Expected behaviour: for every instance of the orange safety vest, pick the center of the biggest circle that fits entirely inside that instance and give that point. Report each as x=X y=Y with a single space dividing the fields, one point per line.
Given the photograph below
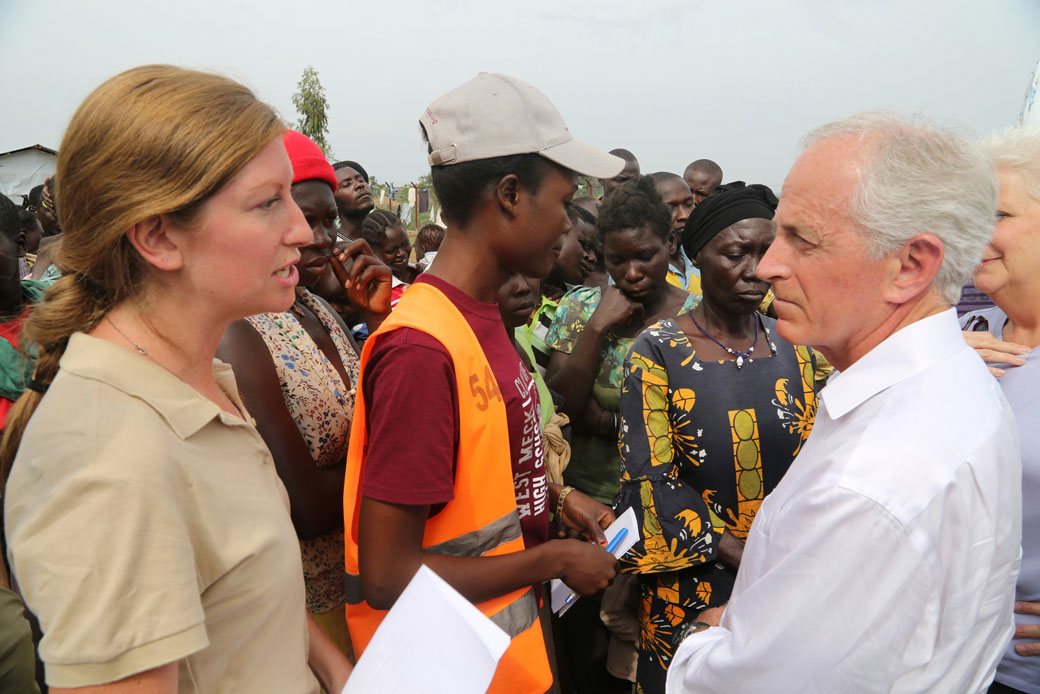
x=482 y=519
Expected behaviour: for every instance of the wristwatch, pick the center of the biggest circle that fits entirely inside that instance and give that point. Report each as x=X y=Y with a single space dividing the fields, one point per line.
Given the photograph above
x=686 y=629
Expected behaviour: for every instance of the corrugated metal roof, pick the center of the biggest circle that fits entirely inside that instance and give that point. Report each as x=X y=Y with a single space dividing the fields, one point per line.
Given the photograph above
x=48 y=150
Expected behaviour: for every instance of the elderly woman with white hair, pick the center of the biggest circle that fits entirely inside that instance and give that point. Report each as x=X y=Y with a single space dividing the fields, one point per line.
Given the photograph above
x=1007 y=336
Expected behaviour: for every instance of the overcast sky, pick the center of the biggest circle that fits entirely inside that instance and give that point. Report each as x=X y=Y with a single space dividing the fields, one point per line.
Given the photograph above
x=737 y=81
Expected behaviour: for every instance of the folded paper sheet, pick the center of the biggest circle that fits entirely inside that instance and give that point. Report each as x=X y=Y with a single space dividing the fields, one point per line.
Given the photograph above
x=434 y=641
x=559 y=591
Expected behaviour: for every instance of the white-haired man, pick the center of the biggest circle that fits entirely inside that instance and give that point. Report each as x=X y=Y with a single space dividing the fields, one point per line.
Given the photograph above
x=885 y=560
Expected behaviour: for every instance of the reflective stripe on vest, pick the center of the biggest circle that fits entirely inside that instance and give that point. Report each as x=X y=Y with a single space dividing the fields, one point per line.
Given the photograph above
x=472 y=544
x=482 y=540
x=517 y=615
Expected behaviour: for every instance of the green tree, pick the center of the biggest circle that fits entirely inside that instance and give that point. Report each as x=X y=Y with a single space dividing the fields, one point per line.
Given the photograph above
x=311 y=104
x=588 y=186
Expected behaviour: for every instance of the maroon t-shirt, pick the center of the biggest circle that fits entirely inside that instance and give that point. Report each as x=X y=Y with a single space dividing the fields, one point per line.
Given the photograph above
x=413 y=419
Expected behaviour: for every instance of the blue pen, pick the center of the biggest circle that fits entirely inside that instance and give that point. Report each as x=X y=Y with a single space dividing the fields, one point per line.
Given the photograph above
x=610 y=549
x=617 y=540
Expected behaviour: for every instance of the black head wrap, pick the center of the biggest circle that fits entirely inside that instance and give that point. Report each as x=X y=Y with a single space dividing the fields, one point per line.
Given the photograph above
x=725 y=207
x=354 y=165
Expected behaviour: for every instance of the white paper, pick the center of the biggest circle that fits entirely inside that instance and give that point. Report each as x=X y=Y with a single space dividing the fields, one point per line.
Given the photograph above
x=559 y=592
x=432 y=640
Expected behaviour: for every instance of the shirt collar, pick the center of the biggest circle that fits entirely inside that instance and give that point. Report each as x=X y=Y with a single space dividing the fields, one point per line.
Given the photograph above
x=901 y=355
x=686 y=259
x=184 y=408
x=688 y=272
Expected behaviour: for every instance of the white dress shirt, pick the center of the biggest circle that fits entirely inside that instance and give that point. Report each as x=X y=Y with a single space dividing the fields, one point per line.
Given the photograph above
x=885 y=560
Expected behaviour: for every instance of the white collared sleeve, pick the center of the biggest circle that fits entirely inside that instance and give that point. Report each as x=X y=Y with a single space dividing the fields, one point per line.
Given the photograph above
x=830 y=602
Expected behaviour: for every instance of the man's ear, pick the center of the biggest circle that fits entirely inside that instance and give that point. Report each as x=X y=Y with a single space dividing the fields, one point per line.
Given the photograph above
x=21 y=244
x=158 y=242
x=914 y=268
x=508 y=193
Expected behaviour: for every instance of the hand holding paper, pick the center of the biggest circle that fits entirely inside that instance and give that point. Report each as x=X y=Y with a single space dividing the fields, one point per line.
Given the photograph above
x=625 y=532
x=434 y=641
x=611 y=548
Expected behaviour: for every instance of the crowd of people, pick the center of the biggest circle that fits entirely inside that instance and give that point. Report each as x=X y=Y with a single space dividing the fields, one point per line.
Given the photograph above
x=241 y=406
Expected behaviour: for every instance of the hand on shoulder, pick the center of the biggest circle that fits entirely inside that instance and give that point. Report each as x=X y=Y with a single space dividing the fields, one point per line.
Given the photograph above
x=994 y=351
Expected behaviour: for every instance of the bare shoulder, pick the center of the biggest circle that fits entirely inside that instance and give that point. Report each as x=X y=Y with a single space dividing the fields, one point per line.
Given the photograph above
x=242 y=345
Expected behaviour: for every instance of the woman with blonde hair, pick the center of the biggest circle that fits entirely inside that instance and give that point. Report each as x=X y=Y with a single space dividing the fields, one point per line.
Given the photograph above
x=146 y=525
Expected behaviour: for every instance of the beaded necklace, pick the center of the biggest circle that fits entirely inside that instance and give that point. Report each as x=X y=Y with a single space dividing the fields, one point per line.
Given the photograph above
x=741 y=356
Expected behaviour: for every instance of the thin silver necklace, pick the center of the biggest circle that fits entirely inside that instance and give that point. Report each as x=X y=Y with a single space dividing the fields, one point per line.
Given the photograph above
x=126 y=337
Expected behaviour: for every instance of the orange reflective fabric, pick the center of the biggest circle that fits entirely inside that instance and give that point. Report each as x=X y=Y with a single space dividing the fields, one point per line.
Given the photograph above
x=483 y=491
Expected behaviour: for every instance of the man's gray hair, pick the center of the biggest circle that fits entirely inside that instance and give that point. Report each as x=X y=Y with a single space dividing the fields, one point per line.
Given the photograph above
x=1017 y=150
x=920 y=178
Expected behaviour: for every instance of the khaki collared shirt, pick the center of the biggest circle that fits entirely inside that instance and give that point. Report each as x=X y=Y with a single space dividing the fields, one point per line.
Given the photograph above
x=145 y=525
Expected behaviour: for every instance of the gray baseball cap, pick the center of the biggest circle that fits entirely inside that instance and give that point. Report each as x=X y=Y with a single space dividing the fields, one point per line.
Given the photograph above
x=495 y=115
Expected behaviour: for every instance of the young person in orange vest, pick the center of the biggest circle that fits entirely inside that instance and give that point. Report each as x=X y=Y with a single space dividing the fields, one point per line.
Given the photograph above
x=446 y=464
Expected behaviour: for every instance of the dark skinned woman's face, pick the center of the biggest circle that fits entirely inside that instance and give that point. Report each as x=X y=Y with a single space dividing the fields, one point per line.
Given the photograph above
x=588 y=237
x=517 y=299
x=395 y=248
x=568 y=265
x=315 y=200
x=728 y=264
x=49 y=221
x=637 y=260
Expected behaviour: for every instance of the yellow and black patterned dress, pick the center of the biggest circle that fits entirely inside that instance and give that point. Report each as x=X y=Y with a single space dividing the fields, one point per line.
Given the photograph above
x=702 y=443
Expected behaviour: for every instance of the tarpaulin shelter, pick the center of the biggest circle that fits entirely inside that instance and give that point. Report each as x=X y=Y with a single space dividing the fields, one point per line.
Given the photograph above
x=22 y=169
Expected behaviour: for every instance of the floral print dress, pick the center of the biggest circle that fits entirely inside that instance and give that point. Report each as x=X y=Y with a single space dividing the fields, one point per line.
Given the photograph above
x=702 y=443
x=322 y=406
